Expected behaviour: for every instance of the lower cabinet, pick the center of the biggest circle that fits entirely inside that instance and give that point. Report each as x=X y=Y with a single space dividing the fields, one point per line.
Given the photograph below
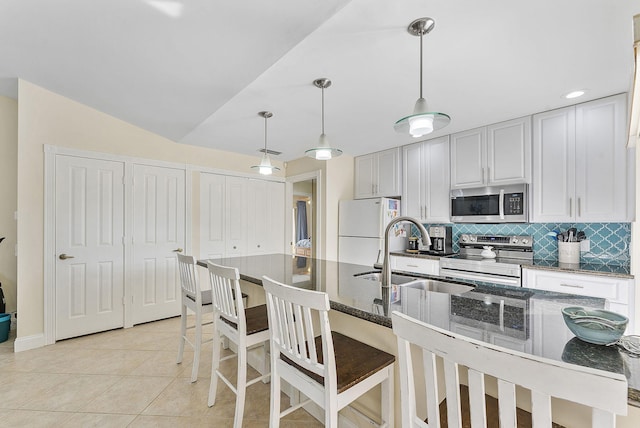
x=415 y=265
x=618 y=292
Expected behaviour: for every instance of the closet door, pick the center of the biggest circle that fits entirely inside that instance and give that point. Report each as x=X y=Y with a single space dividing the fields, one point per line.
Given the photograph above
x=212 y=216
x=89 y=230
x=158 y=234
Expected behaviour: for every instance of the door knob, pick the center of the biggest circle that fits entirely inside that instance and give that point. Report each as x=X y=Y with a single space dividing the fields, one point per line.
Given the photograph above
x=63 y=256
x=177 y=250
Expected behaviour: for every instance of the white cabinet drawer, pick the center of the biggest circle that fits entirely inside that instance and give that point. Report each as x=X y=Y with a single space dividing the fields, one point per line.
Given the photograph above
x=416 y=265
x=613 y=289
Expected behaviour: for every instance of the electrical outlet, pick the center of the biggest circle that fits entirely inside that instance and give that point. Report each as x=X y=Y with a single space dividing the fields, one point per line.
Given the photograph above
x=585 y=245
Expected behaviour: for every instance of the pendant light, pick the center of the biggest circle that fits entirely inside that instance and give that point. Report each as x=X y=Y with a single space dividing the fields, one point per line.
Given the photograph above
x=265 y=167
x=422 y=121
x=323 y=151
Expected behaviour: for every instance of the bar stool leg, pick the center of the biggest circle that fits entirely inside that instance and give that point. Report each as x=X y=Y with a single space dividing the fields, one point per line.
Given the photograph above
x=183 y=332
x=241 y=384
x=215 y=364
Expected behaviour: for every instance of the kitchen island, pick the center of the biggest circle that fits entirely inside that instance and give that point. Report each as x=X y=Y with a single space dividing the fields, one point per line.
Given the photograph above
x=531 y=321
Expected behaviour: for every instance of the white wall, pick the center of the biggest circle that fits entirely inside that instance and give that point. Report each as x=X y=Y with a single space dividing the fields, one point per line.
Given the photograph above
x=47 y=118
x=8 y=198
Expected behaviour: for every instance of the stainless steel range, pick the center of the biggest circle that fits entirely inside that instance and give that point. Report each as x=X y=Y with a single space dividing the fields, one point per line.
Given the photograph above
x=505 y=267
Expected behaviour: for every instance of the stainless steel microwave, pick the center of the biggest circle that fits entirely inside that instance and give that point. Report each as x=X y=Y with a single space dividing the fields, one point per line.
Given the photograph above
x=496 y=204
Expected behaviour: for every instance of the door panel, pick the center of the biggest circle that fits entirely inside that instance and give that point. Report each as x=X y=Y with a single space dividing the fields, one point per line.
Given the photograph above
x=212 y=216
x=89 y=228
x=158 y=233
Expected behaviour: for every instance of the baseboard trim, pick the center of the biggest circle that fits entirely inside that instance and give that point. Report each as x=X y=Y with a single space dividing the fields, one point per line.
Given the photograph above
x=29 y=342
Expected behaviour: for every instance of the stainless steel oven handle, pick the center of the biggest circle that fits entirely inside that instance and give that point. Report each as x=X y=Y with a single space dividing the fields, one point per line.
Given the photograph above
x=501 y=315
x=501 y=203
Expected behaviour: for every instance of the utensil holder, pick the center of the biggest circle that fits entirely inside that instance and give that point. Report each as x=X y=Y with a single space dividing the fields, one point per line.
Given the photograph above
x=569 y=252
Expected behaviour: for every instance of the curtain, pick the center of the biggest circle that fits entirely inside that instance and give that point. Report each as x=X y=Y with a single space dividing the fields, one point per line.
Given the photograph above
x=301 y=221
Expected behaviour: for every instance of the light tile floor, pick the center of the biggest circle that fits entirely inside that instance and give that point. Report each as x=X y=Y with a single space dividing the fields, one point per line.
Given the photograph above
x=123 y=378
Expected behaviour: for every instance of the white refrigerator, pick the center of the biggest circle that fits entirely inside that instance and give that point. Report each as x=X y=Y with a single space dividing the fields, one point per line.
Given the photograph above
x=361 y=226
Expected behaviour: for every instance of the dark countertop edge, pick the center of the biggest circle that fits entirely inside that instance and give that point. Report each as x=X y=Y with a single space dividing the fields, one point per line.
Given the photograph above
x=579 y=271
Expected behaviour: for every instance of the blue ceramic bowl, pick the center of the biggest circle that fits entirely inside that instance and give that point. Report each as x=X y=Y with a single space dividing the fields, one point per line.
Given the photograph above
x=596 y=326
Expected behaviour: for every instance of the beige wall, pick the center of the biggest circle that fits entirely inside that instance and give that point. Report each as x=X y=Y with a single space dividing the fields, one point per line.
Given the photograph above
x=48 y=118
x=8 y=198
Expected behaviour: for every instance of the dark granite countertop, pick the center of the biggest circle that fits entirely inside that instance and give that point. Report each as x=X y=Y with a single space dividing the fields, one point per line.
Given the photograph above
x=600 y=269
x=532 y=320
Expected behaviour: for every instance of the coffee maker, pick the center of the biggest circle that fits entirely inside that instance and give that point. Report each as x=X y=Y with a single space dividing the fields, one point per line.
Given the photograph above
x=441 y=240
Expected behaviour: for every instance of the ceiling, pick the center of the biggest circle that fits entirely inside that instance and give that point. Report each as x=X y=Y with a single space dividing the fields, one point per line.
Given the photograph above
x=199 y=71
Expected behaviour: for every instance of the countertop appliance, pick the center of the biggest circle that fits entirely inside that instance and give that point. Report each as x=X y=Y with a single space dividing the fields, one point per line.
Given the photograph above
x=441 y=240
x=505 y=204
x=361 y=226
x=505 y=269
x=500 y=310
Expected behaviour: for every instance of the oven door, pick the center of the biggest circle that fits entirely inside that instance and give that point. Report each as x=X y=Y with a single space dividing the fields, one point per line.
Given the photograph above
x=507 y=204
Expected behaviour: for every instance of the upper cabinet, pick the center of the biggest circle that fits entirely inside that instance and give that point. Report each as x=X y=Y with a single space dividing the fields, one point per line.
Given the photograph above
x=581 y=167
x=378 y=174
x=498 y=154
x=425 y=180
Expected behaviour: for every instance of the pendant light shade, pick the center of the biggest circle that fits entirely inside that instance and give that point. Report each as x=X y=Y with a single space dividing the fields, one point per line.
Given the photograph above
x=265 y=167
x=422 y=121
x=323 y=151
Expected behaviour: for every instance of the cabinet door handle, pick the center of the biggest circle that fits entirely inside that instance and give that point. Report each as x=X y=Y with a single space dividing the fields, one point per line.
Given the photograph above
x=570 y=207
x=579 y=208
x=488 y=174
x=415 y=266
x=571 y=285
x=482 y=169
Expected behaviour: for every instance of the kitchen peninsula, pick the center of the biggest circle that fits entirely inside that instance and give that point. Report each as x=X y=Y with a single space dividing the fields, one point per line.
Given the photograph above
x=531 y=321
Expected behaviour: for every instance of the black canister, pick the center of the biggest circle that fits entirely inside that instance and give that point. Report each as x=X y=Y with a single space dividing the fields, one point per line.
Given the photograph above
x=413 y=244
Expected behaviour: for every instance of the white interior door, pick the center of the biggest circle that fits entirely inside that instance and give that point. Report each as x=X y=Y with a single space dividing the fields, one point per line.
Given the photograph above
x=89 y=230
x=212 y=216
x=159 y=207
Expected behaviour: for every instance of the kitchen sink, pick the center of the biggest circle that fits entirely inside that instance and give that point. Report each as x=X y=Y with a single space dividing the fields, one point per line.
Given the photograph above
x=377 y=277
x=418 y=283
x=438 y=286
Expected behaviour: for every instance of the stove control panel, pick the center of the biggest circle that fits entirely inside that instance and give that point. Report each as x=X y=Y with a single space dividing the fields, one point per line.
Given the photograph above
x=497 y=241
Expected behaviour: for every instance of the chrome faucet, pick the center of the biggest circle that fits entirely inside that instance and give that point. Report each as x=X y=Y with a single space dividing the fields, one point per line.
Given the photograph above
x=386 y=269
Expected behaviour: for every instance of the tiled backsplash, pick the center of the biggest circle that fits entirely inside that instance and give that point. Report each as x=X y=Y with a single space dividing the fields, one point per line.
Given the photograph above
x=609 y=242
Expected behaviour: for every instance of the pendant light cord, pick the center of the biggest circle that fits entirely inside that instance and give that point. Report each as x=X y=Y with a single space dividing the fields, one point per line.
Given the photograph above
x=265 y=136
x=421 y=34
x=322 y=109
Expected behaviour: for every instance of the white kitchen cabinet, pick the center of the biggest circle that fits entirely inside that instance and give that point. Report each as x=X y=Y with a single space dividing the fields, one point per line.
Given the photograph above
x=581 y=167
x=425 y=180
x=619 y=292
x=493 y=155
x=415 y=265
x=240 y=216
x=378 y=174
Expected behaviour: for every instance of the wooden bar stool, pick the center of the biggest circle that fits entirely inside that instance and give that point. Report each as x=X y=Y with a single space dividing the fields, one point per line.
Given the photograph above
x=199 y=302
x=604 y=392
x=332 y=369
x=244 y=327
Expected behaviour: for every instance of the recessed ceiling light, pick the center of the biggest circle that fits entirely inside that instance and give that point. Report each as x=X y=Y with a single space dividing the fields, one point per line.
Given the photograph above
x=574 y=94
